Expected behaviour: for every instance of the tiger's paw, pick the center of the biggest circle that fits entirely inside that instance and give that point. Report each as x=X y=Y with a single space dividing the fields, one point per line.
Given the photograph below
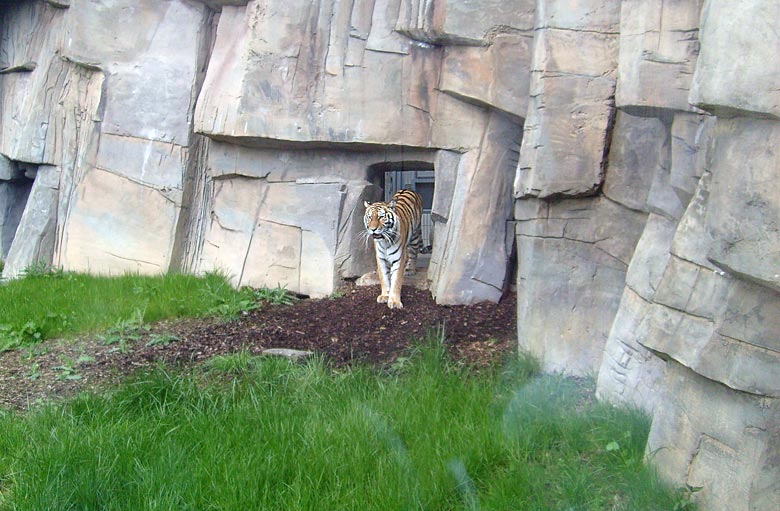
x=382 y=298
x=395 y=304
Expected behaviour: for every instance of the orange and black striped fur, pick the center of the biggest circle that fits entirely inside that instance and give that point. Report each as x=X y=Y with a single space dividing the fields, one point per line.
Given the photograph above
x=395 y=227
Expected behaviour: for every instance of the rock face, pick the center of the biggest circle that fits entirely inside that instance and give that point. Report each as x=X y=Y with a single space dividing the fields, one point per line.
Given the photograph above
x=622 y=155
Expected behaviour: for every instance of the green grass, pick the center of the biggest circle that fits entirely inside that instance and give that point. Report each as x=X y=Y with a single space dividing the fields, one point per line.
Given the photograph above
x=50 y=303
x=247 y=433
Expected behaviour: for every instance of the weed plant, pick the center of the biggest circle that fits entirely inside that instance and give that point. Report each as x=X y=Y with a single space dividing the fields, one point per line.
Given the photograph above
x=248 y=433
x=49 y=303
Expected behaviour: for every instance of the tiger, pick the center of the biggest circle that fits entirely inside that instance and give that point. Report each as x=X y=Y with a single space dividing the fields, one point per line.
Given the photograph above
x=395 y=228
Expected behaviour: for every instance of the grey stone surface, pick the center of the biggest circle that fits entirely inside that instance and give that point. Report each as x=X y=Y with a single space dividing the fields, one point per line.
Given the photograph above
x=474 y=249
x=639 y=147
x=9 y=170
x=454 y=22
x=570 y=111
x=297 y=235
x=663 y=199
x=630 y=374
x=690 y=136
x=692 y=241
x=572 y=261
x=281 y=96
x=172 y=136
x=495 y=75
x=738 y=71
x=744 y=222
x=34 y=241
x=585 y=15
x=150 y=53
x=651 y=256
x=107 y=232
x=60 y=114
x=658 y=53
x=31 y=33
x=725 y=442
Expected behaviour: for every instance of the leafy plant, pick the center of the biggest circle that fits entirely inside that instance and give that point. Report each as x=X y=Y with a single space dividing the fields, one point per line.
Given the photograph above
x=246 y=300
x=34 y=372
x=12 y=338
x=162 y=339
x=42 y=269
x=685 y=503
x=131 y=329
x=67 y=372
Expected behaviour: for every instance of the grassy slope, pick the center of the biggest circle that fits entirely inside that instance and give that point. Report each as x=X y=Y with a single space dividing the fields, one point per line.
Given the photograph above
x=251 y=434
x=272 y=435
x=50 y=304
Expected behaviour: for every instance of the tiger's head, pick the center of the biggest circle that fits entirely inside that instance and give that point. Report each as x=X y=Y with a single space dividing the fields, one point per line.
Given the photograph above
x=380 y=220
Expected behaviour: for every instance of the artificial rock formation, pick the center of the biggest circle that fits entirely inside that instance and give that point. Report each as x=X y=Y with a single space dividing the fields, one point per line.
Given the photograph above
x=622 y=155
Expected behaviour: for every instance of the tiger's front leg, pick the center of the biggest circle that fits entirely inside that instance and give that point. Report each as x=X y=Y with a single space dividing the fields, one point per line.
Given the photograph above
x=383 y=272
x=396 y=282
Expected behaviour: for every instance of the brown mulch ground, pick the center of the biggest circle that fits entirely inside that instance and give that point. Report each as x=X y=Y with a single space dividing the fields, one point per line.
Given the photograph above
x=351 y=328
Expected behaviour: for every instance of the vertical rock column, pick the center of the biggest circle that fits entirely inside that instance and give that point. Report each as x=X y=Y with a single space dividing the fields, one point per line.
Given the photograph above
x=50 y=116
x=125 y=210
x=573 y=243
x=655 y=162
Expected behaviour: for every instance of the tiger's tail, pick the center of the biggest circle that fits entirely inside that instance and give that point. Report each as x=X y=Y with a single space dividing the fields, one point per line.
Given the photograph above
x=413 y=248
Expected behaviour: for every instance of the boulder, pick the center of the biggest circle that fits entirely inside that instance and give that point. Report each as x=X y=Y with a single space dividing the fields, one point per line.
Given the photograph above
x=692 y=241
x=269 y=88
x=13 y=199
x=601 y=16
x=690 y=136
x=9 y=170
x=31 y=35
x=473 y=254
x=495 y=75
x=630 y=374
x=297 y=235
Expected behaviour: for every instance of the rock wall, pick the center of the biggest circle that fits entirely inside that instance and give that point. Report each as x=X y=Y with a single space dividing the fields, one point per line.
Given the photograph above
x=244 y=136
x=622 y=154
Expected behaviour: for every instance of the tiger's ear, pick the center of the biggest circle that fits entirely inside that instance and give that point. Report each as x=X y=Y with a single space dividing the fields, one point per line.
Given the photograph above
x=366 y=204
x=392 y=203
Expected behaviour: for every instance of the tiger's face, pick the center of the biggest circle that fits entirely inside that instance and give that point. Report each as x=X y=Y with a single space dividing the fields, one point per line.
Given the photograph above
x=379 y=220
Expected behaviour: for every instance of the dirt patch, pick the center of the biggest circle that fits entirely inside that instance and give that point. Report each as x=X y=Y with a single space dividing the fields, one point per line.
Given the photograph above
x=348 y=329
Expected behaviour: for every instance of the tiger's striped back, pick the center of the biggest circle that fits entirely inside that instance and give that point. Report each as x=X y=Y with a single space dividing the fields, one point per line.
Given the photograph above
x=395 y=227
x=408 y=207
